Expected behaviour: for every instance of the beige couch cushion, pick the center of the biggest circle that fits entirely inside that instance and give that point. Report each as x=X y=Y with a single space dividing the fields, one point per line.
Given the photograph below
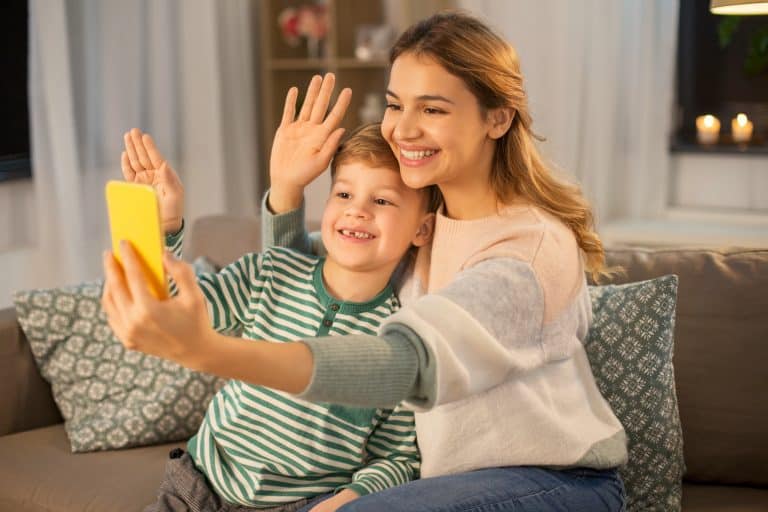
x=719 y=498
x=38 y=472
x=721 y=346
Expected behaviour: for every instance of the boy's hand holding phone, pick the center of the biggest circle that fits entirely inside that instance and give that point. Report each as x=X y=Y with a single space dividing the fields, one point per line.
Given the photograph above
x=304 y=145
x=142 y=163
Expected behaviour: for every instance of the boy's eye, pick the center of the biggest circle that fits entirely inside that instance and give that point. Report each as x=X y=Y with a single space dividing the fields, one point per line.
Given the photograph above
x=381 y=202
x=342 y=195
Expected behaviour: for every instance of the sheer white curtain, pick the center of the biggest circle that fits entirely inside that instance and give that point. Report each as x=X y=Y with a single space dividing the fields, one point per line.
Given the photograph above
x=600 y=77
x=179 y=69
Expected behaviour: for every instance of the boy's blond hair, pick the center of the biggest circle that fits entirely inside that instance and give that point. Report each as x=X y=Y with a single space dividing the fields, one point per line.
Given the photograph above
x=366 y=144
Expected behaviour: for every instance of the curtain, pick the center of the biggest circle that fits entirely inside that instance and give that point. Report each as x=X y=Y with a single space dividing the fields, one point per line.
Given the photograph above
x=181 y=70
x=600 y=80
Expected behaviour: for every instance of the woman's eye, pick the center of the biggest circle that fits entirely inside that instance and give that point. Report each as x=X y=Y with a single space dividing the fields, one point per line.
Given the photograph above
x=392 y=106
x=342 y=195
x=430 y=110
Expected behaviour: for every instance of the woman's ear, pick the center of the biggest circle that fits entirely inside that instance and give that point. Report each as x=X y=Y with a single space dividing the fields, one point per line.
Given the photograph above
x=426 y=228
x=500 y=119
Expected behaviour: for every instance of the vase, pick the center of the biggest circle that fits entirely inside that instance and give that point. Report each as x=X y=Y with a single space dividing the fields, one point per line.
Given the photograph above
x=314 y=48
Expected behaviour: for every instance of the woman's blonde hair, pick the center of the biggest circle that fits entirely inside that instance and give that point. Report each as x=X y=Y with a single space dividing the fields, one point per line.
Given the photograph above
x=468 y=49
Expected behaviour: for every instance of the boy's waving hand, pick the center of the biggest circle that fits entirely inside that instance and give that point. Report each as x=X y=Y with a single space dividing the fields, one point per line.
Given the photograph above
x=141 y=162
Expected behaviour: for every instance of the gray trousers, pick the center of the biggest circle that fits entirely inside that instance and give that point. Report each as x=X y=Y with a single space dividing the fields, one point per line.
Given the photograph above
x=184 y=489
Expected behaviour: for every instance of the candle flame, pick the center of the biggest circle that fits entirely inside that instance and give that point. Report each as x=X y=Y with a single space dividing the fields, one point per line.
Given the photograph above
x=741 y=119
x=709 y=120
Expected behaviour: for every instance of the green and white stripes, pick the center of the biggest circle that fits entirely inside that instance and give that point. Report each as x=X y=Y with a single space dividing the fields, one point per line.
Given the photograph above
x=262 y=448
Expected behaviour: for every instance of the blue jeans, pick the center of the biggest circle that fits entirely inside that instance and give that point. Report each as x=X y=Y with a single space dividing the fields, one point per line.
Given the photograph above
x=526 y=489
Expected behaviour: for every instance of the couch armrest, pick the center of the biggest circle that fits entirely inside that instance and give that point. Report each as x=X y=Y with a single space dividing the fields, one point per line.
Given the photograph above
x=26 y=401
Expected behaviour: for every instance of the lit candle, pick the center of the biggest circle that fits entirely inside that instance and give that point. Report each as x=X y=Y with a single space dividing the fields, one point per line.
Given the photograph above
x=741 y=127
x=707 y=129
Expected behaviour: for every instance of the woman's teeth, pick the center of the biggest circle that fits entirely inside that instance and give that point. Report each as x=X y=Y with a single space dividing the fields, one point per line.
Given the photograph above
x=356 y=234
x=417 y=155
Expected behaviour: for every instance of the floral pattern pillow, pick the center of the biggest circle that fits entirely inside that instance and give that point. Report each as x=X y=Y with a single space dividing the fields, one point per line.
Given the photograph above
x=110 y=397
x=630 y=346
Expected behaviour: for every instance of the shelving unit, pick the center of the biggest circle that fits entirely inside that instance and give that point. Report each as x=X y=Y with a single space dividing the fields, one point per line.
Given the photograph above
x=283 y=66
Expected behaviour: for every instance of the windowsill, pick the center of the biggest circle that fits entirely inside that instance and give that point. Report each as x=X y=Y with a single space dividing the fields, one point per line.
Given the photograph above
x=683 y=228
x=725 y=147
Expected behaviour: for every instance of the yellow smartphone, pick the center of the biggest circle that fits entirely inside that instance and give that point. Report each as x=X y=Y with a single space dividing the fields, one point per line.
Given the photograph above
x=134 y=215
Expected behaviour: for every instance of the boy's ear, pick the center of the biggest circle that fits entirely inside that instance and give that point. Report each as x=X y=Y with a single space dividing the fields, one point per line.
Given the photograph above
x=500 y=119
x=426 y=228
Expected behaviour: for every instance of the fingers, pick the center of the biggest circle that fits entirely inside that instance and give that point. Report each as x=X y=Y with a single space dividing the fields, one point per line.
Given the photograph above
x=339 y=109
x=114 y=284
x=128 y=173
x=331 y=143
x=141 y=151
x=182 y=274
x=310 y=97
x=320 y=106
x=289 y=109
x=136 y=275
x=133 y=157
x=155 y=158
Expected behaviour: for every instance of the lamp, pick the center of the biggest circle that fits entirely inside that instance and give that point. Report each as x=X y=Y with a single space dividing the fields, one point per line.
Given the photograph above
x=738 y=7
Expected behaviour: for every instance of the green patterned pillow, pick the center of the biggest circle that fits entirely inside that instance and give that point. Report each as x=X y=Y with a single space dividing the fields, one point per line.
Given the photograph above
x=630 y=346
x=109 y=397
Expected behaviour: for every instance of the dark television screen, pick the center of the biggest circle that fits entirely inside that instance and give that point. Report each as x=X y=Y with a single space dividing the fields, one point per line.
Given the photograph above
x=14 y=110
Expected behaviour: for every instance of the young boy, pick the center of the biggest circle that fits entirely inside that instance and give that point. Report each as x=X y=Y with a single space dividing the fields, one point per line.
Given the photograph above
x=264 y=449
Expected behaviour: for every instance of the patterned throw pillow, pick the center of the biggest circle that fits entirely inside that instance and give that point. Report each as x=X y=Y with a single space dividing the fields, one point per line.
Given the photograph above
x=109 y=397
x=630 y=347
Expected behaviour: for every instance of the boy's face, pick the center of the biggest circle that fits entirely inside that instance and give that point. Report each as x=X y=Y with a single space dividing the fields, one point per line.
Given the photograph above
x=371 y=218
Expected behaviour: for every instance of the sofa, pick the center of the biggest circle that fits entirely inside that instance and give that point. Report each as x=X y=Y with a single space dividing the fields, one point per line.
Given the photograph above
x=721 y=346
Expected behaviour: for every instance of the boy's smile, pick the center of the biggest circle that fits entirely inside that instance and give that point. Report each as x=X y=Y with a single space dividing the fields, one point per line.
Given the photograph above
x=370 y=220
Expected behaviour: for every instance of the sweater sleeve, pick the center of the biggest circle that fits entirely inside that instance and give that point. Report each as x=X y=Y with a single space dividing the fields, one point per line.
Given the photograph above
x=446 y=346
x=228 y=293
x=173 y=244
x=288 y=230
x=393 y=457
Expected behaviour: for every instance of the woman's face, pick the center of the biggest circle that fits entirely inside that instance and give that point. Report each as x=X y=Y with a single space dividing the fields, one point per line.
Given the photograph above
x=435 y=126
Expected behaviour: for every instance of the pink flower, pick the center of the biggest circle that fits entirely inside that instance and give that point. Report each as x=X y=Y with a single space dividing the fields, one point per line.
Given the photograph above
x=310 y=21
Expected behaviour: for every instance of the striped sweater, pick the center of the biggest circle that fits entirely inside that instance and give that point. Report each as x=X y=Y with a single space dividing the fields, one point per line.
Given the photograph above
x=263 y=448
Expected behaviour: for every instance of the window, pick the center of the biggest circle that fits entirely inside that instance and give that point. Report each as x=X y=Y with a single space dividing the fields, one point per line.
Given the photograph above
x=722 y=70
x=14 y=110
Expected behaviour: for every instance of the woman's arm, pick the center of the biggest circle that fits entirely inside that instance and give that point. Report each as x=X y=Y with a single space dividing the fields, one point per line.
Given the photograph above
x=303 y=146
x=178 y=328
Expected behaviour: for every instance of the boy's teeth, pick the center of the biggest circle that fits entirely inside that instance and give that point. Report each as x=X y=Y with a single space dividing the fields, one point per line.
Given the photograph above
x=356 y=234
x=417 y=155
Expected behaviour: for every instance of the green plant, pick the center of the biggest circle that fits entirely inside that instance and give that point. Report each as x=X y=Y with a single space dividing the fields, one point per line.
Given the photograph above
x=756 y=61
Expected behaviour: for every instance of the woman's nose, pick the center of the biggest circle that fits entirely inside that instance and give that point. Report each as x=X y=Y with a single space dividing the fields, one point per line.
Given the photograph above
x=407 y=126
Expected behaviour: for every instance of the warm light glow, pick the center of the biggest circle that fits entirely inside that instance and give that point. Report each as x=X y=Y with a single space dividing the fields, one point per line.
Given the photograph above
x=707 y=129
x=739 y=7
x=741 y=129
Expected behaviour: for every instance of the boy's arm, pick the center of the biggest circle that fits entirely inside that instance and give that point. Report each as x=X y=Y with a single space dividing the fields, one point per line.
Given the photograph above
x=393 y=454
x=288 y=230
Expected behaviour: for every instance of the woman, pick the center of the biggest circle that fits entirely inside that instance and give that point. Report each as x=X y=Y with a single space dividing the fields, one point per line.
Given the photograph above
x=503 y=381
x=488 y=346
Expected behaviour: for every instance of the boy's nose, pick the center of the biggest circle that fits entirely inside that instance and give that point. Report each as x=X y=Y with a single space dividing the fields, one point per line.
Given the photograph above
x=357 y=211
